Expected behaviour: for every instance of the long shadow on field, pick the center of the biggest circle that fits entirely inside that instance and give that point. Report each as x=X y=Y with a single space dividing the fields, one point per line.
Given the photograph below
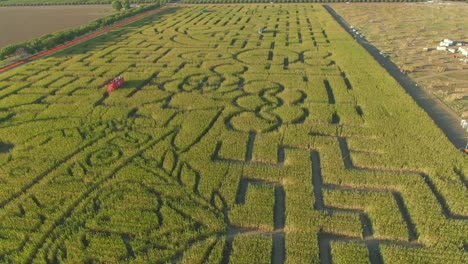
x=440 y=199
x=5 y=147
x=114 y=36
x=367 y=237
x=248 y=159
x=277 y=235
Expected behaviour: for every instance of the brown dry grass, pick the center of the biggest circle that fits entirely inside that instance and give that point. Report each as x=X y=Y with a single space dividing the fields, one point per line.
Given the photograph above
x=402 y=31
x=19 y=24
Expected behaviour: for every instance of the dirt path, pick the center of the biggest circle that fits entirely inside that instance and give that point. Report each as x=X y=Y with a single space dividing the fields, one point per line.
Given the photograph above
x=81 y=39
x=438 y=74
x=444 y=117
x=279 y=219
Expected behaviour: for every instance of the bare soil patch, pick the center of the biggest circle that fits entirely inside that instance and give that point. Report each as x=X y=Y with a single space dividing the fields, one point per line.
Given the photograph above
x=19 y=24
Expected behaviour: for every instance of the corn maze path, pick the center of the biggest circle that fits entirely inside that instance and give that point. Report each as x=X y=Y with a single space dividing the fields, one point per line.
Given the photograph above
x=224 y=146
x=78 y=40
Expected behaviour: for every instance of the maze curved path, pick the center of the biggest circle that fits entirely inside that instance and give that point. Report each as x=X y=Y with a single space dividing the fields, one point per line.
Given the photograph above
x=296 y=153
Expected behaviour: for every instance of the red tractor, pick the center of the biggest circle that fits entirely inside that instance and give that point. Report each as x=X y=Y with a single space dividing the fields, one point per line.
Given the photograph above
x=115 y=83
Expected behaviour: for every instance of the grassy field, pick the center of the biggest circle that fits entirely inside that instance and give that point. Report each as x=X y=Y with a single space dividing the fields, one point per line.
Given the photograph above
x=16 y=26
x=403 y=31
x=224 y=145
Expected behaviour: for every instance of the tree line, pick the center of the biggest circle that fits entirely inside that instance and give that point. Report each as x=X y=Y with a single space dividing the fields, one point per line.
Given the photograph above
x=49 y=41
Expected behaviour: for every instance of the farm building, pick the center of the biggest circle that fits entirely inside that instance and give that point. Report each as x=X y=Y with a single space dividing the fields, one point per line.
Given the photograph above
x=463 y=51
x=443 y=44
x=448 y=45
x=452 y=50
x=448 y=42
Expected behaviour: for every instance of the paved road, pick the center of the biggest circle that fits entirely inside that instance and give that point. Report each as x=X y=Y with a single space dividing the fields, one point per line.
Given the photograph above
x=447 y=120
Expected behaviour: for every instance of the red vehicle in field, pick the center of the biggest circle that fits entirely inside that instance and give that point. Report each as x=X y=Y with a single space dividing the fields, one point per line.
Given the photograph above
x=115 y=83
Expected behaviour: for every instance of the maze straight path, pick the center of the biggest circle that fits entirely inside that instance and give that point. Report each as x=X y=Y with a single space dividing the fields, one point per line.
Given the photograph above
x=224 y=146
x=80 y=39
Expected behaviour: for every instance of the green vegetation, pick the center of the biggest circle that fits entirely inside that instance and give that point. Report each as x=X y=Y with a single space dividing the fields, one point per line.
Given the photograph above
x=224 y=145
x=67 y=2
x=117 y=5
x=52 y=40
x=288 y=1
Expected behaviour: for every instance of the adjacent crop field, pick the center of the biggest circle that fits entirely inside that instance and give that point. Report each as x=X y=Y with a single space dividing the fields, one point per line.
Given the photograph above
x=224 y=146
x=24 y=23
x=403 y=31
x=62 y=2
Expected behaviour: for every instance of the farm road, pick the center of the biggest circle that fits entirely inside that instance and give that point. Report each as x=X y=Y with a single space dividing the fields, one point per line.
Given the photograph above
x=443 y=116
x=83 y=38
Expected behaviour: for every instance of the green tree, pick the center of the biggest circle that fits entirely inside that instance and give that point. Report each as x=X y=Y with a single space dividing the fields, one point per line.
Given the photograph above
x=116 y=5
x=125 y=4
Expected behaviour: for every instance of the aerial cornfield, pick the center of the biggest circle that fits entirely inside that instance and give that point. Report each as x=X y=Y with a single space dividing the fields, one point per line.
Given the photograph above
x=243 y=134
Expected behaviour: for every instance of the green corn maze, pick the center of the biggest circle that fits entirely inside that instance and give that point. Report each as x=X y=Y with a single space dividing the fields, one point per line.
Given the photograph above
x=224 y=146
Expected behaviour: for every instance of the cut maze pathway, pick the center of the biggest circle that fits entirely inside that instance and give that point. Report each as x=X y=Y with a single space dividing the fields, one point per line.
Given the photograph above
x=325 y=239
x=278 y=235
x=60 y=47
x=217 y=151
